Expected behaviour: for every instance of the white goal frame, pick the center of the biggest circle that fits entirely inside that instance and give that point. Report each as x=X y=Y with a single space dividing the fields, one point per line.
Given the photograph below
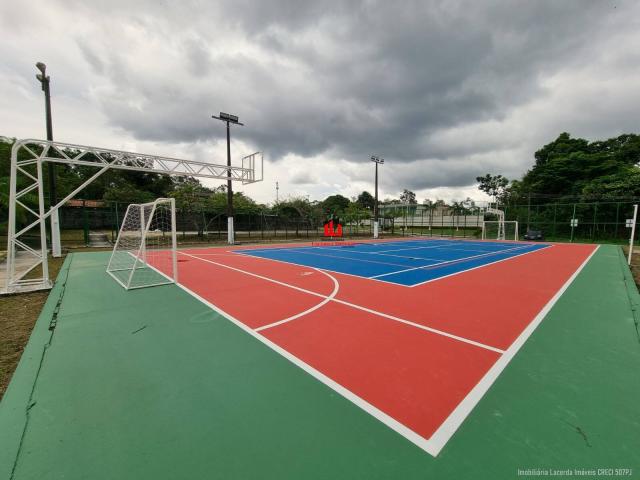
x=501 y=229
x=26 y=177
x=140 y=254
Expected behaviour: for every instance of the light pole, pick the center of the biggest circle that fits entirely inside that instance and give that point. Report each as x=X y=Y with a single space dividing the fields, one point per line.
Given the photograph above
x=45 y=80
x=229 y=119
x=378 y=161
x=277 y=193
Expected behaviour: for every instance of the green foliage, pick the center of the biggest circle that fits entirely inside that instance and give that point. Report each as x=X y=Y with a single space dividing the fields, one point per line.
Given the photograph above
x=335 y=205
x=624 y=183
x=575 y=167
x=191 y=196
x=354 y=213
x=408 y=197
x=366 y=200
x=493 y=185
x=297 y=208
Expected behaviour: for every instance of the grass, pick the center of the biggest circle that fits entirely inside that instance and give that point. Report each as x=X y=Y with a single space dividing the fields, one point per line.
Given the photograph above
x=635 y=263
x=18 y=315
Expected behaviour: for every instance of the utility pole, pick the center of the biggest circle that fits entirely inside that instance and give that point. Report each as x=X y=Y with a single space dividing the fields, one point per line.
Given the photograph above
x=229 y=119
x=45 y=80
x=378 y=161
x=277 y=193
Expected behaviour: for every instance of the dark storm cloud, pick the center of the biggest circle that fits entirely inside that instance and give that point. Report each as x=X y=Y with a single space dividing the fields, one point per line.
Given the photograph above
x=344 y=79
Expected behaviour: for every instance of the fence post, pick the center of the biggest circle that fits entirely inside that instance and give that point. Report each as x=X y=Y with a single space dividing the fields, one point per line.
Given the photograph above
x=573 y=217
x=633 y=232
x=85 y=223
x=464 y=231
x=114 y=228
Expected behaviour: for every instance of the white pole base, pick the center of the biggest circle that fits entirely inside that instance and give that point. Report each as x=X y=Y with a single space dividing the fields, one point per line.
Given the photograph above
x=375 y=229
x=56 y=249
x=230 y=232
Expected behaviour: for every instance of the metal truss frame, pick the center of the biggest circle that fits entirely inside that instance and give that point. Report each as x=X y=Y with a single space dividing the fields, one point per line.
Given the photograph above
x=27 y=157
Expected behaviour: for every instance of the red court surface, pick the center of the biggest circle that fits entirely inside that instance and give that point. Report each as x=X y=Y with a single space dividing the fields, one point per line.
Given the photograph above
x=417 y=358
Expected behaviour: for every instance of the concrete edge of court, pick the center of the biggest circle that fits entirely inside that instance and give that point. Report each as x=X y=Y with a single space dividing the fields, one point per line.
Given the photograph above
x=16 y=402
x=632 y=290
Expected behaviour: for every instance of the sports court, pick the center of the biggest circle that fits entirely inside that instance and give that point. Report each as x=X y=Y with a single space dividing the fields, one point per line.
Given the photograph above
x=402 y=358
x=369 y=320
x=407 y=263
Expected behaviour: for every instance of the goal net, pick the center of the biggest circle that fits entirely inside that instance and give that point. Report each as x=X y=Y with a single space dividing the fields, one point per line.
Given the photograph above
x=145 y=251
x=499 y=230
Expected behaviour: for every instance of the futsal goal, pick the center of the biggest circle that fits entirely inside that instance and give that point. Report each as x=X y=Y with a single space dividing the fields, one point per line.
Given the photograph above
x=500 y=230
x=145 y=252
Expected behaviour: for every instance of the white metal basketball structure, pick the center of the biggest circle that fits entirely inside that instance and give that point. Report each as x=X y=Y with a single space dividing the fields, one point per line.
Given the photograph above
x=500 y=224
x=26 y=178
x=146 y=251
x=500 y=230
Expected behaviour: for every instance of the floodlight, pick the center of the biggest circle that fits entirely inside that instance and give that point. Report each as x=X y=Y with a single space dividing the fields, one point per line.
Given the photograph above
x=42 y=67
x=227 y=117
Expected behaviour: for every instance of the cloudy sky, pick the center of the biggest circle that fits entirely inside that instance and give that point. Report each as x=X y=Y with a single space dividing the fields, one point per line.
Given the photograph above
x=444 y=91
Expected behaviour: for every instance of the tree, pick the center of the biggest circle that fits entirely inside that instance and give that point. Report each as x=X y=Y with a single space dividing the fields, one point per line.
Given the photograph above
x=355 y=213
x=408 y=197
x=335 y=204
x=623 y=184
x=366 y=200
x=191 y=200
x=574 y=166
x=493 y=185
x=298 y=208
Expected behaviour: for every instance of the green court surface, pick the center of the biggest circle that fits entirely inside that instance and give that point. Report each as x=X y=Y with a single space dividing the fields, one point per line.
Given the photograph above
x=152 y=384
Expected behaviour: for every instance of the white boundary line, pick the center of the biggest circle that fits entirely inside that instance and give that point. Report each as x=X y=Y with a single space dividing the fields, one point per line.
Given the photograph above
x=459 y=260
x=479 y=266
x=336 y=287
x=353 y=305
x=242 y=252
x=443 y=434
x=464 y=408
x=239 y=252
x=389 y=421
x=297 y=250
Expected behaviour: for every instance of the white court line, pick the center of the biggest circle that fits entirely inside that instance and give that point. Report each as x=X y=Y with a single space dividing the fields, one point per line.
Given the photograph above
x=303 y=250
x=410 y=248
x=478 y=266
x=230 y=254
x=443 y=434
x=405 y=256
x=298 y=250
x=248 y=255
x=353 y=305
x=461 y=250
x=464 y=408
x=336 y=287
x=376 y=413
x=446 y=244
x=460 y=260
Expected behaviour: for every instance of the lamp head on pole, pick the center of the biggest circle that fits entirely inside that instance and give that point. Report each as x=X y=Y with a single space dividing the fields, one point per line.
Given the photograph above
x=42 y=77
x=227 y=117
x=377 y=159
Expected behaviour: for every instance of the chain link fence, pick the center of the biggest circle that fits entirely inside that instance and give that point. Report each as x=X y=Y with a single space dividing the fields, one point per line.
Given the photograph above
x=592 y=222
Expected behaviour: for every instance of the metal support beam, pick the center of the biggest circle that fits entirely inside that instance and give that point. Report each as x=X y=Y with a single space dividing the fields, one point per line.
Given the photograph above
x=27 y=158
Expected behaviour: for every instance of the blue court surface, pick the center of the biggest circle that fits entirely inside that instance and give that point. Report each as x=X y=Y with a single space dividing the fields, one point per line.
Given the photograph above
x=405 y=262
